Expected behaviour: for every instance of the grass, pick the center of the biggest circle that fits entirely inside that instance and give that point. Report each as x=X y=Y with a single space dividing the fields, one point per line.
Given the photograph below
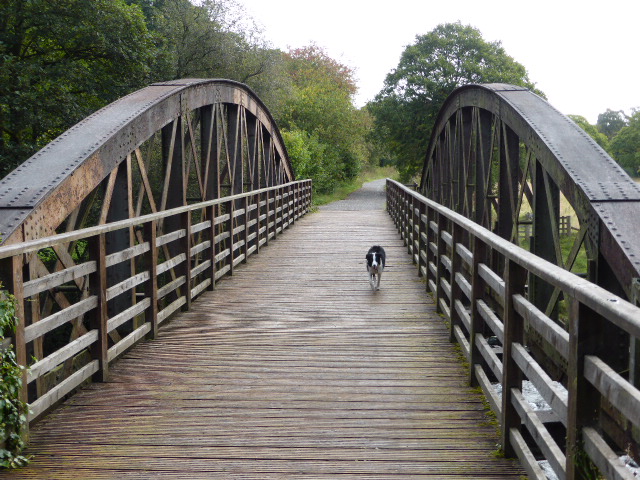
x=345 y=188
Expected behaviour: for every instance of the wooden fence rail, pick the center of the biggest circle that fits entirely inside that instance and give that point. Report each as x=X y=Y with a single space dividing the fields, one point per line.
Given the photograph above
x=172 y=257
x=479 y=281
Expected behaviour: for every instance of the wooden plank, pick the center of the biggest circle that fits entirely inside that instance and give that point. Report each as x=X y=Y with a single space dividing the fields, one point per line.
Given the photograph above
x=622 y=395
x=543 y=383
x=170 y=237
x=127 y=254
x=607 y=461
x=59 y=391
x=45 y=365
x=540 y=434
x=59 y=318
x=128 y=314
x=126 y=285
x=527 y=458
x=492 y=320
x=550 y=330
x=493 y=281
x=489 y=355
x=47 y=282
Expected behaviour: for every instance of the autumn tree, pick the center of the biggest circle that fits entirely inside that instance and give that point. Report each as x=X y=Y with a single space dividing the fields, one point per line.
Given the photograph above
x=448 y=57
x=324 y=129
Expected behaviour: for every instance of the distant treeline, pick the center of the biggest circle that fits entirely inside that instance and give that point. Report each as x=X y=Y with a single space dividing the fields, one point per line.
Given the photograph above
x=61 y=60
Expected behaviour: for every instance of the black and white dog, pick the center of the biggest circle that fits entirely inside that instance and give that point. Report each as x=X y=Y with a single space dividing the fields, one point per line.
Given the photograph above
x=375 y=264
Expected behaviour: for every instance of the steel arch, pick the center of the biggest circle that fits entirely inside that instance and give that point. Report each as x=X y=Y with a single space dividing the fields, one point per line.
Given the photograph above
x=496 y=145
x=217 y=138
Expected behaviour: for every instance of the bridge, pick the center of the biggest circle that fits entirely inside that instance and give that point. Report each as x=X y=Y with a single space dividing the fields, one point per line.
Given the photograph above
x=167 y=254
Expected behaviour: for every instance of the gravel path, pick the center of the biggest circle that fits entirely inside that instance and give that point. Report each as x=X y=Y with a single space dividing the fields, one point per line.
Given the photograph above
x=371 y=196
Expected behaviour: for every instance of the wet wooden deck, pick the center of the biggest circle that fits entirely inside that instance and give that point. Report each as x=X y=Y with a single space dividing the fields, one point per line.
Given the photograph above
x=291 y=369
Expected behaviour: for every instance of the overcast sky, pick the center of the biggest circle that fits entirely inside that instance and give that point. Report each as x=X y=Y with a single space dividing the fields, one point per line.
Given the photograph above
x=585 y=56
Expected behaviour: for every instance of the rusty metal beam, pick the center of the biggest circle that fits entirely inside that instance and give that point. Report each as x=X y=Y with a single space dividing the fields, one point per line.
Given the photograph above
x=42 y=192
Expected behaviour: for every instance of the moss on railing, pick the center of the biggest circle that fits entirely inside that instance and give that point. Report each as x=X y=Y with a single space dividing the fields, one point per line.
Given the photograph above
x=13 y=411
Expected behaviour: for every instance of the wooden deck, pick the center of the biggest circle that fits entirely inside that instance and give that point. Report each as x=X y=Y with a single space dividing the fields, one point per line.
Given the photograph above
x=292 y=368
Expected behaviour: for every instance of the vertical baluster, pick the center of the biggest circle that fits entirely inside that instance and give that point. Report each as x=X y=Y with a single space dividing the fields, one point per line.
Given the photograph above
x=441 y=269
x=229 y=228
x=432 y=237
x=246 y=204
x=456 y=291
x=478 y=287
x=423 y=226
x=587 y=330
x=515 y=280
x=211 y=214
x=185 y=222
x=267 y=210
x=258 y=222
x=151 y=286
x=99 y=316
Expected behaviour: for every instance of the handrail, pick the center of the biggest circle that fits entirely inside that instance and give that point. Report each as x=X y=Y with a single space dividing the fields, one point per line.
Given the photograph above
x=484 y=297
x=170 y=262
x=35 y=245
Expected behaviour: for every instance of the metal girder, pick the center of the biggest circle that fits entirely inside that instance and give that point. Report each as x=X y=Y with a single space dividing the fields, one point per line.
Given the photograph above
x=558 y=157
x=43 y=192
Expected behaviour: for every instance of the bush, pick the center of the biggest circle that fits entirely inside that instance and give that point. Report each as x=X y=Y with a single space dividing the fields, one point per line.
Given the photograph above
x=13 y=412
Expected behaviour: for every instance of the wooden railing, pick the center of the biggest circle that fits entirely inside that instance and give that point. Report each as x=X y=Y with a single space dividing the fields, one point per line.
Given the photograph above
x=172 y=257
x=479 y=282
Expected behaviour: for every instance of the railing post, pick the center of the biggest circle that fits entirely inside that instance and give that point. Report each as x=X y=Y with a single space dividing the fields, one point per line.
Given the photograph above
x=258 y=222
x=477 y=293
x=406 y=220
x=229 y=227
x=423 y=245
x=587 y=330
x=185 y=222
x=99 y=317
x=267 y=232
x=275 y=191
x=245 y=203
x=440 y=268
x=432 y=238
x=456 y=291
x=515 y=279
x=151 y=286
x=294 y=191
x=211 y=214
x=411 y=226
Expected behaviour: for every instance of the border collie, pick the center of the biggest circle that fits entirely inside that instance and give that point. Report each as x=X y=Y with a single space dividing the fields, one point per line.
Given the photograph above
x=375 y=264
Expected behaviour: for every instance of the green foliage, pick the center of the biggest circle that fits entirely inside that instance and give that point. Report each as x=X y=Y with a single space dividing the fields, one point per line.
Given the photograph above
x=326 y=133
x=611 y=122
x=308 y=159
x=448 y=57
x=625 y=145
x=13 y=412
x=60 y=61
x=592 y=130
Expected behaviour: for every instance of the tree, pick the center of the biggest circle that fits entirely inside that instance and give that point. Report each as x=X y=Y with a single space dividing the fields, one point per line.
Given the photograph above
x=61 y=60
x=320 y=113
x=593 y=131
x=610 y=122
x=625 y=146
x=448 y=57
